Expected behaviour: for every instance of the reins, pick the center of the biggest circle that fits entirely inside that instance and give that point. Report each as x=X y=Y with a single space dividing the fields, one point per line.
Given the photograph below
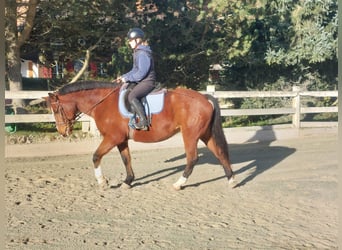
x=80 y=114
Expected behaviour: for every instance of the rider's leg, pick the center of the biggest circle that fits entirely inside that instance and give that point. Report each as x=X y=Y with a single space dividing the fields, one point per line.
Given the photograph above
x=139 y=91
x=138 y=107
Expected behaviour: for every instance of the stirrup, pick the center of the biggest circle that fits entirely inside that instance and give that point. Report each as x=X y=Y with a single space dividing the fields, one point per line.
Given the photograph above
x=134 y=125
x=140 y=127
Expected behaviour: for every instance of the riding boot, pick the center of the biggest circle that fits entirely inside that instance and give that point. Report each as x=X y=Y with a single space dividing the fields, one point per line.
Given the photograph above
x=139 y=108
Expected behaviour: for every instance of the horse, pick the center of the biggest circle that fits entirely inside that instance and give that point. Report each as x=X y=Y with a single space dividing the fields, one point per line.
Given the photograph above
x=195 y=115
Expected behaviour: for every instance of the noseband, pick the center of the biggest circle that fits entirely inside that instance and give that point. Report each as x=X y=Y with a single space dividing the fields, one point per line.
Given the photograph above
x=69 y=123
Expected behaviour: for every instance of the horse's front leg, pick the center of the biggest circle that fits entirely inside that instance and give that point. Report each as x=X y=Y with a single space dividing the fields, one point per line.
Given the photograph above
x=105 y=146
x=126 y=159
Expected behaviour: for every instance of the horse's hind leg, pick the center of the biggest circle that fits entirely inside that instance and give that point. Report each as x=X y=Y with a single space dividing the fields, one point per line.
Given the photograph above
x=222 y=154
x=191 y=159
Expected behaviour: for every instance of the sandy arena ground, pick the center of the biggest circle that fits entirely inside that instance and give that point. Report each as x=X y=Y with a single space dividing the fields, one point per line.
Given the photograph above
x=287 y=199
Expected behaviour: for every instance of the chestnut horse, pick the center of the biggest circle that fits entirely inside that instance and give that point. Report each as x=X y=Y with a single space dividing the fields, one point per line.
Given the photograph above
x=197 y=116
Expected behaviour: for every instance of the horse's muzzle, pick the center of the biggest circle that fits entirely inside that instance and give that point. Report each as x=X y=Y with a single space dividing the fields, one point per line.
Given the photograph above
x=64 y=131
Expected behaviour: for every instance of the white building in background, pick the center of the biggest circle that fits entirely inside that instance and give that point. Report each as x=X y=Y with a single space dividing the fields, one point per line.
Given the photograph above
x=30 y=69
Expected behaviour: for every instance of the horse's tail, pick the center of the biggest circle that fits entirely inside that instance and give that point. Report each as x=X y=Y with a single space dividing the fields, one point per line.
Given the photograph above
x=216 y=125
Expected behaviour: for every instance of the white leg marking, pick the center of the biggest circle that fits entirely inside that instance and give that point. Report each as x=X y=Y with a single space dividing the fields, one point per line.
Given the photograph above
x=99 y=176
x=98 y=172
x=181 y=181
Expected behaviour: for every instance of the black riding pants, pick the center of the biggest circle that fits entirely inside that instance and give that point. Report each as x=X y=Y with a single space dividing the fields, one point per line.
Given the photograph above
x=141 y=90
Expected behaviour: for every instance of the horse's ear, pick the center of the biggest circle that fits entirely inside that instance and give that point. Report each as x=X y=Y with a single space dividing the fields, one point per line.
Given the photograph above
x=52 y=96
x=47 y=100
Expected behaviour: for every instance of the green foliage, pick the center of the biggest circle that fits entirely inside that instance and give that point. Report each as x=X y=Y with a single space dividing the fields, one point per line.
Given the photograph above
x=313 y=30
x=121 y=61
x=64 y=30
x=259 y=42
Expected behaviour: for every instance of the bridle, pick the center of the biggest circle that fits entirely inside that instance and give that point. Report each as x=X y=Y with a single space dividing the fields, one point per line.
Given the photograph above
x=69 y=123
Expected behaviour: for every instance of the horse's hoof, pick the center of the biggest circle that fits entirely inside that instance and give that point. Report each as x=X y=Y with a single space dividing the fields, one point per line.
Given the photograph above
x=176 y=187
x=232 y=183
x=104 y=184
x=125 y=186
x=103 y=187
x=181 y=181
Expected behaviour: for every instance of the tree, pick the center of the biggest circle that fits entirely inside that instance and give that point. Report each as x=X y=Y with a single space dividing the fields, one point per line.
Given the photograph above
x=180 y=39
x=257 y=41
x=308 y=41
x=14 y=11
x=289 y=42
x=75 y=27
x=313 y=25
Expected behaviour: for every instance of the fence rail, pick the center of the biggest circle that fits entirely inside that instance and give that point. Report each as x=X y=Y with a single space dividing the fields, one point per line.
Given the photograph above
x=88 y=124
x=296 y=110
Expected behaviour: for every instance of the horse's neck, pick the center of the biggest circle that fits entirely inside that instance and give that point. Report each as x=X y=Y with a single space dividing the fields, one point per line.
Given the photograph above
x=86 y=101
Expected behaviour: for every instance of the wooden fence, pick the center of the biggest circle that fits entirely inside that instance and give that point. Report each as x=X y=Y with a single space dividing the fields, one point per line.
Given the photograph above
x=296 y=109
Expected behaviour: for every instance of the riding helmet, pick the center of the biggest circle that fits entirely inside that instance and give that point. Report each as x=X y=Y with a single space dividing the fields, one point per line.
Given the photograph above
x=135 y=33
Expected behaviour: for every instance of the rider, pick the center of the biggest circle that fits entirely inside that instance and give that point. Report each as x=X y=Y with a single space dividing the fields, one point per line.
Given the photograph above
x=142 y=74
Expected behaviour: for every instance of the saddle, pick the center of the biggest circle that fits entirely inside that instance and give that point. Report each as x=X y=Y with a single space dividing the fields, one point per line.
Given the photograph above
x=153 y=102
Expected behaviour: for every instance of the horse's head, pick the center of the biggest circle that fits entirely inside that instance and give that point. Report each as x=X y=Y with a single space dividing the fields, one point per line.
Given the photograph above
x=63 y=112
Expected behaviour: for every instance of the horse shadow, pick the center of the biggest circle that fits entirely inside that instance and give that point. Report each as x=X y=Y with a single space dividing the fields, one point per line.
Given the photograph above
x=257 y=152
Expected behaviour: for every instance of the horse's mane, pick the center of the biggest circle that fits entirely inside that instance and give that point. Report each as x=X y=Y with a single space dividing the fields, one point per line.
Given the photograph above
x=86 y=85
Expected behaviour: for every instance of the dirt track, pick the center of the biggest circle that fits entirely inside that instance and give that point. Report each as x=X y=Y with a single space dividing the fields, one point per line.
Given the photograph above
x=287 y=199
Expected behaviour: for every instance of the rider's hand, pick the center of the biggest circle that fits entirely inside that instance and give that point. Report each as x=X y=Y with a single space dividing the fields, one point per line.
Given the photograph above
x=119 y=80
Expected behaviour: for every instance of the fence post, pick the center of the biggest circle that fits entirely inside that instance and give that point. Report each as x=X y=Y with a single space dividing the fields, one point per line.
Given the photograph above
x=211 y=89
x=90 y=127
x=93 y=128
x=85 y=127
x=296 y=106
